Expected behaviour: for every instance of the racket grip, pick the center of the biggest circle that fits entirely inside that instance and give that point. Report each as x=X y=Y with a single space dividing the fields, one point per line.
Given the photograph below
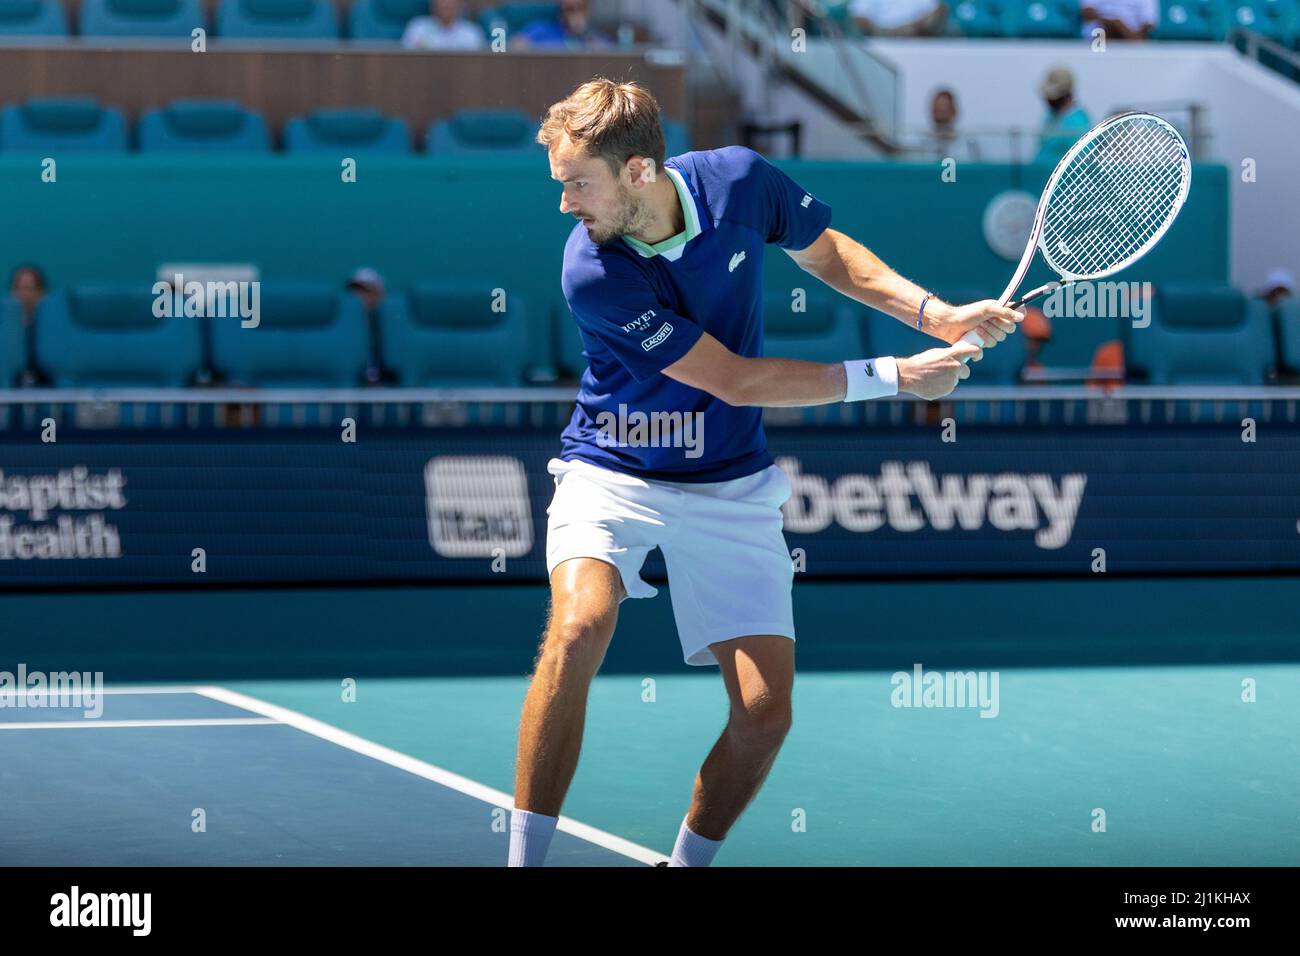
x=973 y=338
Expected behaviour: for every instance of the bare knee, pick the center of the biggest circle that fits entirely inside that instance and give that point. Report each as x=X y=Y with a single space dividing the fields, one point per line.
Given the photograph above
x=574 y=644
x=762 y=722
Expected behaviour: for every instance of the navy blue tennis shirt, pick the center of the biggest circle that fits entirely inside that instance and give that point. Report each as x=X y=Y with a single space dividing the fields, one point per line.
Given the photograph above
x=640 y=308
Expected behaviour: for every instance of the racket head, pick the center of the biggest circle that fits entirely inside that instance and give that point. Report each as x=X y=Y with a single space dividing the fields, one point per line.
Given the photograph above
x=1113 y=196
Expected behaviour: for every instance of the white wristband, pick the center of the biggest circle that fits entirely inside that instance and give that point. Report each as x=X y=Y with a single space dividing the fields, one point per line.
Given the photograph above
x=870 y=378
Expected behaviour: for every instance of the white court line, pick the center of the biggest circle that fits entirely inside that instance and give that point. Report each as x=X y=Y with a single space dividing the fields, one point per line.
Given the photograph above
x=122 y=689
x=420 y=768
x=92 y=723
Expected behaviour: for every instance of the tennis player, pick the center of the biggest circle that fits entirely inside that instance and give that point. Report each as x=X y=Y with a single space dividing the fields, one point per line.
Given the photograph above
x=663 y=273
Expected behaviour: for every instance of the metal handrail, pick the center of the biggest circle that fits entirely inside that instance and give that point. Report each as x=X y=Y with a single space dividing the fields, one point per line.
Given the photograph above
x=751 y=24
x=1256 y=41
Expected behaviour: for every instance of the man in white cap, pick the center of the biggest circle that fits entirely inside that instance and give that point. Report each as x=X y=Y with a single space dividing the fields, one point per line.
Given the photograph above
x=1279 y=285
x=1066 y=120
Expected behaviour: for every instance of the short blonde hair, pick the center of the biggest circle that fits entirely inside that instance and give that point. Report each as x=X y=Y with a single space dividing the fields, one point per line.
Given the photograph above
x=614 y=121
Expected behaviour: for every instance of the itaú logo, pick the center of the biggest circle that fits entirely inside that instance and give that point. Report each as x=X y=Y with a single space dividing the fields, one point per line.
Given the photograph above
x=907 y=496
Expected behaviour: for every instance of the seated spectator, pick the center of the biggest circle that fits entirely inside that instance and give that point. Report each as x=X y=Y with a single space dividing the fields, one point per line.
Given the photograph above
x=1066 y=120
x=571 y=29
x=27 y=286
x=1279 y=286
x=899 y=18
x=445 y=29
x=1120 y=19
x=368 y=286
x=1037 y=330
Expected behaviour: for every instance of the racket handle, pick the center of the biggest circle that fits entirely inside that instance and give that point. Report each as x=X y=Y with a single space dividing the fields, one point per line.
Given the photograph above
x=973 y=338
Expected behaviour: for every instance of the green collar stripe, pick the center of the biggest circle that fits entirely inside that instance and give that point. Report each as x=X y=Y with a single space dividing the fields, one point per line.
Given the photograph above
x=690 y=214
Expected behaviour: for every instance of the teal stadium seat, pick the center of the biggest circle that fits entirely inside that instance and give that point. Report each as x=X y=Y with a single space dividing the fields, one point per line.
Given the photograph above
x=1041 y=18
x=1275 y=19
x=383 y=19
x=140 y=18
x=974 y=18
x=515 y=16
x=999 y=366
x=1288 y=327
x=572 y=360
x=445 y=334
x=1202 y=335
x=33 y=18
x=351 y=130
x=277 y=20
x=1198 y=20
x=108 y=336
x=309 y=335
x=12 y=344
x=1075 y=339
x=828 y=330
x=217 y=126
x=483 y=131
x=63 y=124
x=676 y=139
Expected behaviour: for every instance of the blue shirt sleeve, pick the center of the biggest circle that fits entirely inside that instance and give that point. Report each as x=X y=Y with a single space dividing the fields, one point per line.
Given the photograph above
x=793 y=217
x=614 y=302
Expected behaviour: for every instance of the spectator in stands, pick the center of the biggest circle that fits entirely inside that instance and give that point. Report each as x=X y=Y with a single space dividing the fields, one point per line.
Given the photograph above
x=368 y=286
x=27 y=286
x=1066 y=120
x=899 y=18
x=1279 y=285
x=572 y=28
x=1037 y=330
x=1120 y=19
x=945 y=139
x=444 y=29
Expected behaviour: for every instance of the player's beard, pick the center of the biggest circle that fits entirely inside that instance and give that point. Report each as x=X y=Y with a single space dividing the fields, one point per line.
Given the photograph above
x=631 y=217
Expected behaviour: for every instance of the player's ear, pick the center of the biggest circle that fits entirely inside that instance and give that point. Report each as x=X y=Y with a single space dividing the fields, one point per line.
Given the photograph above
x=646 y=174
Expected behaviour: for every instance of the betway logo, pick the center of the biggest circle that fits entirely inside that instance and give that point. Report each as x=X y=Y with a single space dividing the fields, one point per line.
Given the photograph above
x=907 y=496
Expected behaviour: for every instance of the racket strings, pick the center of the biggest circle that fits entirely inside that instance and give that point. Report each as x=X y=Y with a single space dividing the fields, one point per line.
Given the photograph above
x=1112 y=202
x=1115 y=197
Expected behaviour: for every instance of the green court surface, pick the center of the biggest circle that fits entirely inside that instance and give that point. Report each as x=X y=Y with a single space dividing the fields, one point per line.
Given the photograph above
x=1185 y=771
x=1117 y=699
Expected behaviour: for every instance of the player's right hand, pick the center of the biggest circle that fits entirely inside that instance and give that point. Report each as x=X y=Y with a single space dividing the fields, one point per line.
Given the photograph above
x=935 y=373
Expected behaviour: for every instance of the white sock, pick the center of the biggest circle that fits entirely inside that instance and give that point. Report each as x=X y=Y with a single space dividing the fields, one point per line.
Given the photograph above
x=530 y=837
x=692 y=849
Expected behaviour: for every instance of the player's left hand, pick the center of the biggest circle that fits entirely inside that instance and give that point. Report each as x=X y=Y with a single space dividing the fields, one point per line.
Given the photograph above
x=993 y=321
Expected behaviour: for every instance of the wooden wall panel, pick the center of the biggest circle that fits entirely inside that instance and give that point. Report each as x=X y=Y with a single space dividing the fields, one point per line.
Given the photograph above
x=281 y=83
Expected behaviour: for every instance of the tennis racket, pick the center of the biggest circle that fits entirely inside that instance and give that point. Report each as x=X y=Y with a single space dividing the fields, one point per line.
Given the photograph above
x=1108 y=202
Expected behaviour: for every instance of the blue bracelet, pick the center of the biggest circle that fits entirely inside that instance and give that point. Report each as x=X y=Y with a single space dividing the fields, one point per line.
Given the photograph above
x=921 y=311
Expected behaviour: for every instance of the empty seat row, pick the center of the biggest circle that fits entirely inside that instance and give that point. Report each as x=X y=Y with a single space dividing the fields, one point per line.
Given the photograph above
x=306 y=334
x=447 y=334
x=82 y=123
x=242 y=19
x=1205 y=20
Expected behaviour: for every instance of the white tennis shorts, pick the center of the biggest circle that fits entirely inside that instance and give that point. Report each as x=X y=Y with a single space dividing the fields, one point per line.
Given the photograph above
x=729 y=571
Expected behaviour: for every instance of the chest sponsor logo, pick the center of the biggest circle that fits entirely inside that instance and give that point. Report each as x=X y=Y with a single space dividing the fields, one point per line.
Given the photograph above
x=736 y=260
